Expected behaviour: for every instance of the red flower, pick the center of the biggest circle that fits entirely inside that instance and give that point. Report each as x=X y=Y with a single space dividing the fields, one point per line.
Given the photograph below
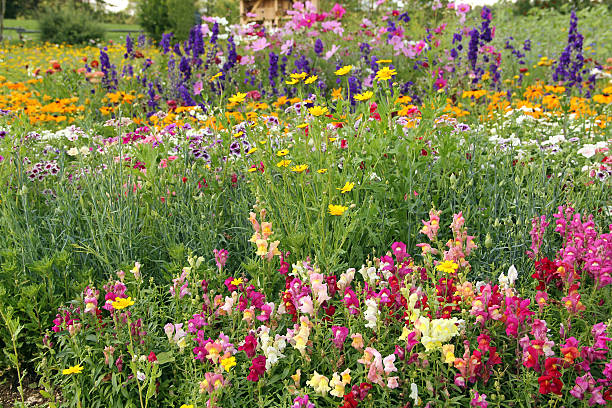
x=257 y=369
x=349 y=401
x=550 y=384
x=551 y=365
x=249 y=346
x=152 y=357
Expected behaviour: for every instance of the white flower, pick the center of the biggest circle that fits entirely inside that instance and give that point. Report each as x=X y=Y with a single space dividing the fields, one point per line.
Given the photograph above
x=141 y=376
x=588 y=150
x=73 y=151
x=371 y=314
x=414 y=394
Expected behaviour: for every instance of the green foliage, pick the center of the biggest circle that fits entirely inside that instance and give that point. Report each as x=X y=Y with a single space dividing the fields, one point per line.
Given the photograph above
x=160 y=16
x=69 y=24
x=153 y=17
x=523 y=7
x=182 y=15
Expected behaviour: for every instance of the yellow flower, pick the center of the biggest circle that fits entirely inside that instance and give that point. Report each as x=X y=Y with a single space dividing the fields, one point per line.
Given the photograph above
x=237 y=282
x=282 y=153
x=448 y=353
x=299 y=76
x=212 y=78
x=238 y=98
x=228 y=363
x=319 y=383
x=344 y=70
x=322 y=171
x=121 y=303
x=252 y=150
x=447 y=266
x=385 y=74
x=336 y=209
x=336 y=93
x=347 y=187
x=252 y=170
x=283 y=163
x=364 y=96
x=302 y=126
x=300 y=168
x=237 y=135
x=73 y=370
x=317 y=110
x=186 y=406
x=311 y=79
x=384 y=61
x=292 y=81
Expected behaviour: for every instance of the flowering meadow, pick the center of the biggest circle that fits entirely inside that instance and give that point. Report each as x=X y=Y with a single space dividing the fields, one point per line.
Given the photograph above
x=408 y=209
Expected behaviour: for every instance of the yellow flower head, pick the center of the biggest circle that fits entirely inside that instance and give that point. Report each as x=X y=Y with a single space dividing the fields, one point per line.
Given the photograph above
x=237 y=282
x=347 y=187
x=344 y=70
x=336 y=93
x=311 y=79
x=228 y=363
x=364 y=96
x=447 y=266
x=336 y=209
x=385 y=74
x=383 y=61
x=300 y=168
x=73 y=370
x=318 y=110
x=298 y=76
x=212 y=78
x=292 y=81
x=282 y=153
x=121 y=303
x=283 y=163
x=322 y=171
x=238 y=98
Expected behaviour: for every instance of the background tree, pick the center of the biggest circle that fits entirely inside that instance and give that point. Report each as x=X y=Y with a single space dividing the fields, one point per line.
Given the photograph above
x=153 y=17
x=182 y=16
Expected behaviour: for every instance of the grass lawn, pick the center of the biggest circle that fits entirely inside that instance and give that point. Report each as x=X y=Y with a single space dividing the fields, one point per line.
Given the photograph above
x=33 y=25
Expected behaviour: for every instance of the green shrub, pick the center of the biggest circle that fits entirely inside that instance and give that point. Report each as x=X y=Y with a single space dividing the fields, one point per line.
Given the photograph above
x=160 y=16
x=69 y=24
x=153 y=17
x=182 y=16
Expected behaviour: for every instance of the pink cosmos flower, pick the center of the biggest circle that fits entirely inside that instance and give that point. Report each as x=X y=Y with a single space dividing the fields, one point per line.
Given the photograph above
x=331 y=52
x=260 y=44
x=338 y=11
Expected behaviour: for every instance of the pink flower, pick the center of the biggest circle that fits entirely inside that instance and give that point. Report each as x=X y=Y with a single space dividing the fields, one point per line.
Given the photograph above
x=330 y=53
x=463 y=8
x=339 y=334
x=221 y=258
x=388 y=363
x=392 y=382
x=259 y=44
x=197 y=88
x=479 y=400
x=399 y=250
x=338 y=11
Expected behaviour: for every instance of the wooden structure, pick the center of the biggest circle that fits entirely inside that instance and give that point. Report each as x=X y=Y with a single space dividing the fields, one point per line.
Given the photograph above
x=268 y=12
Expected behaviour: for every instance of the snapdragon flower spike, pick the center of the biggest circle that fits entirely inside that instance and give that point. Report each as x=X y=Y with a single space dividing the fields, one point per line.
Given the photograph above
x=257 y=369
x=339 y=335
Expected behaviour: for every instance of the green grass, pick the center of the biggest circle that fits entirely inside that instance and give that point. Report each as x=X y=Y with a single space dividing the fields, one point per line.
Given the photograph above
x=12 y=35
